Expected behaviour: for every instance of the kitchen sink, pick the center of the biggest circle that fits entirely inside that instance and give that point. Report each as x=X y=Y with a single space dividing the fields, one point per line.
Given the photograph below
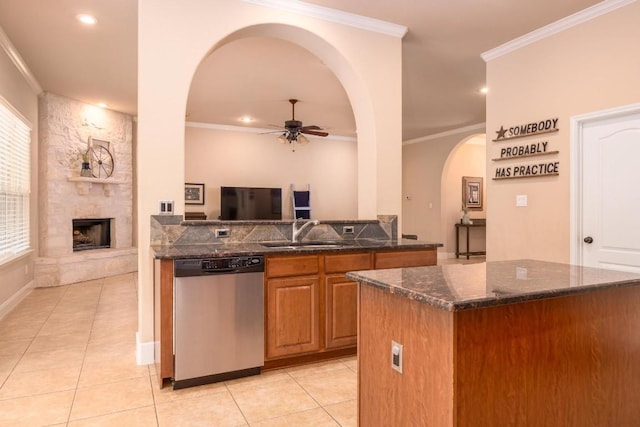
x=306 y=245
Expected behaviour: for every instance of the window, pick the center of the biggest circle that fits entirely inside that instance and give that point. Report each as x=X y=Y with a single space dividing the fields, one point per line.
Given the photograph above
x=15 y=181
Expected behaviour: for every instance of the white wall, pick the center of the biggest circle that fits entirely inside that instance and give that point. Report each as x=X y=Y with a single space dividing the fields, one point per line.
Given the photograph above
x=589 y=67
x=17 y=275
x=173 y=37
x=240 y=159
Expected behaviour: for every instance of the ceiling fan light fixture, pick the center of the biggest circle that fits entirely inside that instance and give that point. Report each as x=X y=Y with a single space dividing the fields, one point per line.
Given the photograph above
x=302 y=140
x=283 y=138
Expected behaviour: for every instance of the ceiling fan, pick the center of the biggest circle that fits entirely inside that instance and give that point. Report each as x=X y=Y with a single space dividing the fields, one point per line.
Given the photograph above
x=294 y=129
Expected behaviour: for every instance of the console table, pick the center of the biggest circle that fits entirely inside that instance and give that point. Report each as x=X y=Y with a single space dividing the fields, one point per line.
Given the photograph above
x=476 y=223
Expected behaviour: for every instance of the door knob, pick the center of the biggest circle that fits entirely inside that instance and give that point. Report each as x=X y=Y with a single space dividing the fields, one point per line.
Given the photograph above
x=588 y=239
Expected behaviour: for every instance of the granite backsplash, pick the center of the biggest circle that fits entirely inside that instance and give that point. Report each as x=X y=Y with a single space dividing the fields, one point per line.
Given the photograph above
x=172 y=230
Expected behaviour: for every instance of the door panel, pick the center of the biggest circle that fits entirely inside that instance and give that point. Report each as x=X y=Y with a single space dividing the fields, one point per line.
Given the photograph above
x=342 y=311
x=611 y=194
x=293 y=316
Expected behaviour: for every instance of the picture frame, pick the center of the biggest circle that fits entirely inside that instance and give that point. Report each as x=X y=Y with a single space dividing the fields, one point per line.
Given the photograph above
x=472 y=192
x=193 y=194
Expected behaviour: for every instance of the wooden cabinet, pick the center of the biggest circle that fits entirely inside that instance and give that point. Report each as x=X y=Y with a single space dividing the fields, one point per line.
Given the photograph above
x=310 y=307
x=341 y=313
x=292 y=305
x=163 y=318
x=401 y=259
x=293 y=316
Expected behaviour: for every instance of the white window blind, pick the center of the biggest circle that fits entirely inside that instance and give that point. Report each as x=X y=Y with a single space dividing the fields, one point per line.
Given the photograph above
x=15 y=185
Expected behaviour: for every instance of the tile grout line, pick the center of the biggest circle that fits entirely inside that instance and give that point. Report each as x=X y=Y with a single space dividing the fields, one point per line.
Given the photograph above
x=33 y=338
x=319 y=405
x=75 y=391
x=236 y=403
x=312 y=398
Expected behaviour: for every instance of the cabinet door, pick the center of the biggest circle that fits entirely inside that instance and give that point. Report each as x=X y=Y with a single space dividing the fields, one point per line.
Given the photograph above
x=293 y=324
x=341 y=311
x=399 y=259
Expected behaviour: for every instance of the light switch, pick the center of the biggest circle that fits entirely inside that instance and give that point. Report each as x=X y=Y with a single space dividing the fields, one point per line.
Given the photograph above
x=521 y=200
x=165 y=207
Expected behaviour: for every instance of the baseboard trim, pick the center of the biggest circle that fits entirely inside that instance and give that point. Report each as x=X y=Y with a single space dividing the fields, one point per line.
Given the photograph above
x=14 y=300
x=144 y=352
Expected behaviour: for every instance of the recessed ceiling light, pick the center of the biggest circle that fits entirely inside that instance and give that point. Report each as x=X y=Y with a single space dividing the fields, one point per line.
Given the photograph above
x=86 y=19
x=484 y=90
x=246 y=119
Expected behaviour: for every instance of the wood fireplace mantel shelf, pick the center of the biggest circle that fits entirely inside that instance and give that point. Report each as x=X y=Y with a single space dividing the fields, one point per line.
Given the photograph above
x=84 y=184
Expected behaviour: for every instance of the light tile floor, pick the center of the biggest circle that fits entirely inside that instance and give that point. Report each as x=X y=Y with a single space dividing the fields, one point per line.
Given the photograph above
x=67 y=358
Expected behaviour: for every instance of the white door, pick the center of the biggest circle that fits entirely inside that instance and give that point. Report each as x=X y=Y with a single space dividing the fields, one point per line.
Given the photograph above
x=610 y=232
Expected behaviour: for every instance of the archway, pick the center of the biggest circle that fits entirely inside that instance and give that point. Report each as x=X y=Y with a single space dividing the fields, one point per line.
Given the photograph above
x=467 y=158
x=254 y=76
x=173 y=39
x=357 y=93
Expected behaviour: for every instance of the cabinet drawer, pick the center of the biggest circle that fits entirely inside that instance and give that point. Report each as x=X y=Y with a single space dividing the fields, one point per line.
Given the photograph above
x=281 y=266
x=347 y=262
x=398 y=259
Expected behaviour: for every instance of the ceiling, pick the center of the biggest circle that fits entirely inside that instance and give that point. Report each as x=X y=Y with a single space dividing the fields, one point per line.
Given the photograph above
x=442 y=67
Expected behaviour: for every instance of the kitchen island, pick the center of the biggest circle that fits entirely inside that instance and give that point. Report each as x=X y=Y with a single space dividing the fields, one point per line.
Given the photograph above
x=501 y=343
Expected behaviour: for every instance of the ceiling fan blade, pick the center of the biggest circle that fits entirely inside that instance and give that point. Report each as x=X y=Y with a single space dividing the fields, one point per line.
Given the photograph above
x=314 y=132
x=311 y=127
x=273 y=131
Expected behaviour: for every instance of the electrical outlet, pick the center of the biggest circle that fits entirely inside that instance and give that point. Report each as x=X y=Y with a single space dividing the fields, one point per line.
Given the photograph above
x=348 y=229
x=521 y=200
x=396 y=356
x=221 y=232
x=521 y=273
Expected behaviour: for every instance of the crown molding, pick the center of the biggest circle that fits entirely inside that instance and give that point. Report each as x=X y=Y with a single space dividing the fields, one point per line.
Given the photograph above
x=336 y=16
x=470 y=128
x=258 y=131
x=563 y=24
x=17 y=60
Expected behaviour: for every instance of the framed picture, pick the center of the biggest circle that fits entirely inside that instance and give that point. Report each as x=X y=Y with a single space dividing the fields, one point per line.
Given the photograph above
x=194 y=194
x=472 y=192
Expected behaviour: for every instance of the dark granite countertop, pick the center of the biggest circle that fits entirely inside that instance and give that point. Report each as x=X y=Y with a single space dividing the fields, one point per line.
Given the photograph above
x=455 y=287
x=257 y=248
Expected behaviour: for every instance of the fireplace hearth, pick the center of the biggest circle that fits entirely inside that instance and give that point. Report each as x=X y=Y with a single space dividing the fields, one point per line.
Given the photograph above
x=91 y=233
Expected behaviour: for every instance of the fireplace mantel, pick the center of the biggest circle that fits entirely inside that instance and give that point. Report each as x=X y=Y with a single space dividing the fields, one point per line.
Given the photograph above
x=84 y=184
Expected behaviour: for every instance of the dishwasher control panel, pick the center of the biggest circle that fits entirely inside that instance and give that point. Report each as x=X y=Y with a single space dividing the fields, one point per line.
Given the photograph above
x=205 y=266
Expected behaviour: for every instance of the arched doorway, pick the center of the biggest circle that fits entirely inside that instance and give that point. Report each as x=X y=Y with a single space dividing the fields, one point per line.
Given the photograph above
x=172 y=40
x=466 y=159
x=255 y=76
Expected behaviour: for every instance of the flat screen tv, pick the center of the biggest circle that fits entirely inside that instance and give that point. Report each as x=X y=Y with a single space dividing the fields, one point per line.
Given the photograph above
x=250 y=203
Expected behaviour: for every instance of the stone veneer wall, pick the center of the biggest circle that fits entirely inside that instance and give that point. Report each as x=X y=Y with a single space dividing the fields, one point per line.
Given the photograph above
x=171 y=230
x=65 y=126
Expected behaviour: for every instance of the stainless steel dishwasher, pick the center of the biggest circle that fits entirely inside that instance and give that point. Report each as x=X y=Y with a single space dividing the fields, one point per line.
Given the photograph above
x=219 y=319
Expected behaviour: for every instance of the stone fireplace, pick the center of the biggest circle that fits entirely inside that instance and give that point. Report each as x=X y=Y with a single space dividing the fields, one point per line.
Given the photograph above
x=70 y=207
x=91 y=233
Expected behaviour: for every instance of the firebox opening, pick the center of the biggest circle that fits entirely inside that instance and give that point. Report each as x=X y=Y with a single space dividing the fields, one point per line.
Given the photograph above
x=92 y=233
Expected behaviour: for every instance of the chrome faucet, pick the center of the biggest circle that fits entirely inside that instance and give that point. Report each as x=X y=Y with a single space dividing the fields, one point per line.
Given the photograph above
x=296 y=231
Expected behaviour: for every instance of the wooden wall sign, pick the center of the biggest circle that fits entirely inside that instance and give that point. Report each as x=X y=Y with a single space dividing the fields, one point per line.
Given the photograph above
x=534 y=149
